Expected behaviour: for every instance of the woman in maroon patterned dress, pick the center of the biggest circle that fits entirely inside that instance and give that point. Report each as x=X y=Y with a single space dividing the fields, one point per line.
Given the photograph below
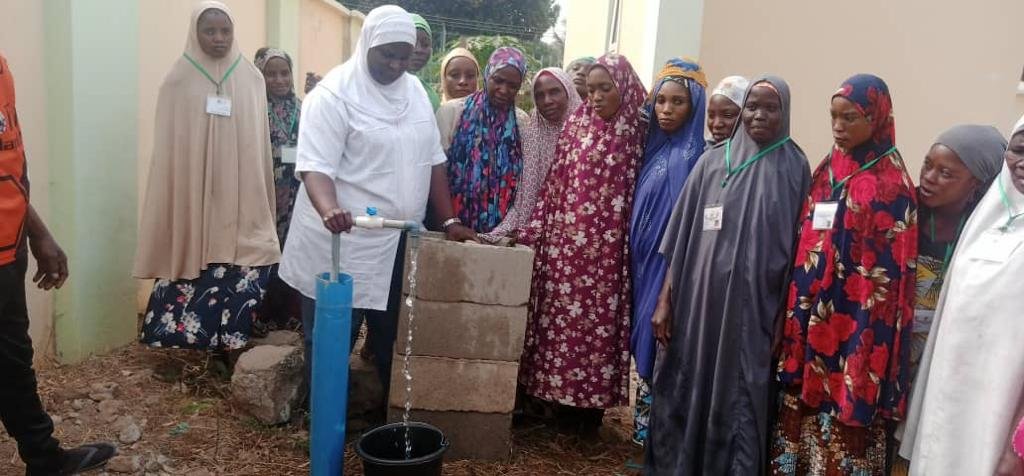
x=577 y=340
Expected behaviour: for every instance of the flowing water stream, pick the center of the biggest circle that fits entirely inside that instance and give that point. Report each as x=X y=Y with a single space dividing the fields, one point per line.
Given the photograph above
x=414 y=250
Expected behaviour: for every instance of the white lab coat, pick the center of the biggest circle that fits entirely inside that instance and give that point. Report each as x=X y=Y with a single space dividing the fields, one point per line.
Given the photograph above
x=374 y=163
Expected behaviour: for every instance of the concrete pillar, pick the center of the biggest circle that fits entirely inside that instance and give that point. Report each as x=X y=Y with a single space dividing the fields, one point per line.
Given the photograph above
x=92 y=101
x=680 y=24
x=283 y=31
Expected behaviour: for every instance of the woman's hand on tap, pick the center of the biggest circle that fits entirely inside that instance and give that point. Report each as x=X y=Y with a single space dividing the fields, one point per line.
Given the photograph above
x=338 y=221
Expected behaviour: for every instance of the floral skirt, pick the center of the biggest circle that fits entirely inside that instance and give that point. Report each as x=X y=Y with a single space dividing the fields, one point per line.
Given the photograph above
x=642 y=412
x=806 y=441
x=214 y=311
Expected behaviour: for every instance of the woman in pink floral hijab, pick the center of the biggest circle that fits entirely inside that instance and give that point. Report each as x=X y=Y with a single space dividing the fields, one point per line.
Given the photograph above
x=577 y=340
x=539 y=138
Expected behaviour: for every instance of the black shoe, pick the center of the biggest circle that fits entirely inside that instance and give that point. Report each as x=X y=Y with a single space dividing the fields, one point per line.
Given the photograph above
x=87 y=457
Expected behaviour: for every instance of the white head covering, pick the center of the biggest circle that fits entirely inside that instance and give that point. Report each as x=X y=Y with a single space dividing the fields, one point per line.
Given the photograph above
x=352 y=81
x=733 y=88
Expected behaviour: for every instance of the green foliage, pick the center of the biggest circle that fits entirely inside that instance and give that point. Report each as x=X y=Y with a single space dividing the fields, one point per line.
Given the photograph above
x=527 y=19
x=538 y=54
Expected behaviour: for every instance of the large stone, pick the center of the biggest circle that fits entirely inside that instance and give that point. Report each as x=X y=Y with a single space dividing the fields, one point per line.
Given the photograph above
x=279 y=338
x=471 y=272
x=442 y=384
x=365 y=391
x=267 y=382
x=471 y=435
x=464 y=330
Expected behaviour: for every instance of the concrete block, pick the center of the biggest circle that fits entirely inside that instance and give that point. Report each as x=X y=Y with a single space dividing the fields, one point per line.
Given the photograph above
x=481 y=436
x=464 y=330
x=267 y=382
x=452 y=272
x=442 y=384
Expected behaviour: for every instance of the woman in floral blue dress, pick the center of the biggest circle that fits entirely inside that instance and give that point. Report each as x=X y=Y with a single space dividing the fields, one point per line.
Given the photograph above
x=846 y=340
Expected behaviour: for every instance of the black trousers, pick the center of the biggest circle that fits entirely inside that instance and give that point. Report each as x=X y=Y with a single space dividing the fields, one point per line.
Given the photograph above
x=20 y=408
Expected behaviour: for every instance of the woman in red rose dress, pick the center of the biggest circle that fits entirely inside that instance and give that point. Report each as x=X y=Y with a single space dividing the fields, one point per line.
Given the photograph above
x=846 y=338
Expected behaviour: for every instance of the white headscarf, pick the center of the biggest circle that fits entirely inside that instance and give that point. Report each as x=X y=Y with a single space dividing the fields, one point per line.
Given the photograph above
x=733 y=88
x=352 y=81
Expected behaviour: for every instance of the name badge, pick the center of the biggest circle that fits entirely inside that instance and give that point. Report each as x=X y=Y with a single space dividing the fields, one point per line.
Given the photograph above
x=824 y=215
x=996 y=246
x=218 y=105
x=712 y=218
x=288 y=155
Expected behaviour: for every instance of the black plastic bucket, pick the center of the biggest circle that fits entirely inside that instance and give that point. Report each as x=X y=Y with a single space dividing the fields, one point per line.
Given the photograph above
x=382 y=450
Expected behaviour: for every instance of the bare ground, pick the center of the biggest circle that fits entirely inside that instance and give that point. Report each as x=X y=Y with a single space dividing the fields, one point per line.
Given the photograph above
x=188 y=426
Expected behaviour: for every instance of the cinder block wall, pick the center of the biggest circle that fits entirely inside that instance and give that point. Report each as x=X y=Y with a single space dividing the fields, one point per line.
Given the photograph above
x=468 y=331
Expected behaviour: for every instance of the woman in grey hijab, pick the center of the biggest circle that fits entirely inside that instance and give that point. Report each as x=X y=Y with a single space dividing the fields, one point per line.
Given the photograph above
x=730 y=246
x=957 y=172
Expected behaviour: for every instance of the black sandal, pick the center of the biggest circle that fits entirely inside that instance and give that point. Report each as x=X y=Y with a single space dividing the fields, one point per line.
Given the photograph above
x=87 y=457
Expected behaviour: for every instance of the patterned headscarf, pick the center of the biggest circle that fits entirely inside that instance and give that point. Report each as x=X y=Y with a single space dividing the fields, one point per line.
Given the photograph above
x=688 y=74
x=269 y=54
x=871 y=96
x=539 y=139
x=485 y=159
x=732 y=88
x=503 y=57
x=283 y=112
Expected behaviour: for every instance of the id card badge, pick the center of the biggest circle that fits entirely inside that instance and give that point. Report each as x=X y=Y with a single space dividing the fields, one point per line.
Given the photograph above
x=288 y=155
x=824 y=215
x=996 y=246
x=713 y=218
x=218 y=105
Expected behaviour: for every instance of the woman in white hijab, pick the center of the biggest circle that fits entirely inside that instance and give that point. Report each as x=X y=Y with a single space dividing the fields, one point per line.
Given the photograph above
x=724 y=107
x=207 y=232
x=967 y=400
x=368 y=140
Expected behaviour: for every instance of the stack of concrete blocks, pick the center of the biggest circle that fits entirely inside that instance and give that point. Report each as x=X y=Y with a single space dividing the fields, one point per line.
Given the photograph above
x=468 y=332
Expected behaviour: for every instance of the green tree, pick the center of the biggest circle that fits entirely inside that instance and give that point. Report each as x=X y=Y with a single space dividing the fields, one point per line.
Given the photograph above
x=525 y=19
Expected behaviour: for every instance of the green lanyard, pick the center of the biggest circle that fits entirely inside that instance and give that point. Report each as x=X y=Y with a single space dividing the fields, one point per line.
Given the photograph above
x=291 y=125
x=207 y=74
x=730 y=172
x=949 y=246
x=1006 y=202
x=832 y=177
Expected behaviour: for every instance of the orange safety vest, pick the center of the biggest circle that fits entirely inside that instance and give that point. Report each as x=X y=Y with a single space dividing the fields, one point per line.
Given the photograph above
x=13 y=173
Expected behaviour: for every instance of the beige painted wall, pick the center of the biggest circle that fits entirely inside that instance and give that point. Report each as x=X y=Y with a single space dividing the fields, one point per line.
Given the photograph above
x=163 y=31
x=323 y=37
x=945 y=62
x=21 y=42
x=163 y=28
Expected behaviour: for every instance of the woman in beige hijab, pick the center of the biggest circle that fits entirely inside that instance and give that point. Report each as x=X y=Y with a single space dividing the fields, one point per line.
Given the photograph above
x=207 y=231
x=460 y=74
